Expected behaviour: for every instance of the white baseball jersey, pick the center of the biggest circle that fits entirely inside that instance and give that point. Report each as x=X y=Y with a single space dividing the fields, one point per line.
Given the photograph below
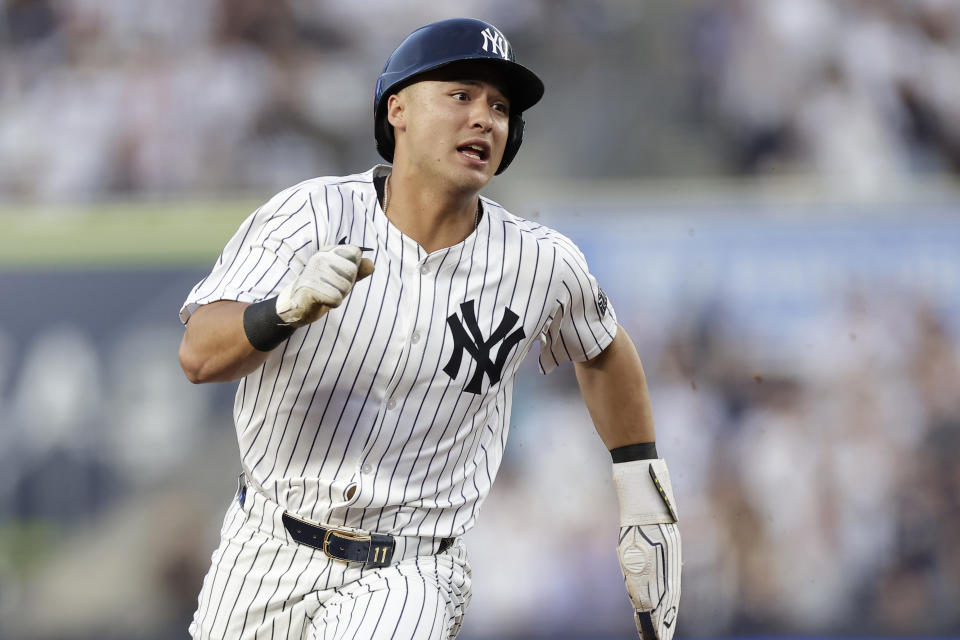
x=390 y=413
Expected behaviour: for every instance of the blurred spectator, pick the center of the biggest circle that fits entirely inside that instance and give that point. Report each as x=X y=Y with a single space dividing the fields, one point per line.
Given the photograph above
x=29 y=21
x=860 y=93
x=109 y=97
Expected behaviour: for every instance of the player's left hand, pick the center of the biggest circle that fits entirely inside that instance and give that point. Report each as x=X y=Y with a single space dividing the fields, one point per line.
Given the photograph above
x=649 y=547
x=650 y=560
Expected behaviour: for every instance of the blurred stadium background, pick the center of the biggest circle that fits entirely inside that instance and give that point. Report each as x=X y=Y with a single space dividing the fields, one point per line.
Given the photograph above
x=767 y=190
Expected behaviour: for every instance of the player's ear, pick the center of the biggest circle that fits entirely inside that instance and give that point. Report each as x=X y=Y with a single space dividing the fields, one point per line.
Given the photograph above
x=396 y=109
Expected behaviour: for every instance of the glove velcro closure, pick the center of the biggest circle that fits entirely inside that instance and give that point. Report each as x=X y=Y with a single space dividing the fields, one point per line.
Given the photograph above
x=644 y=492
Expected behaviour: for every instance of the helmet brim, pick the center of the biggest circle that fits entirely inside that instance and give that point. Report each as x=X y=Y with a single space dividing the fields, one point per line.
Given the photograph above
x=524 y=89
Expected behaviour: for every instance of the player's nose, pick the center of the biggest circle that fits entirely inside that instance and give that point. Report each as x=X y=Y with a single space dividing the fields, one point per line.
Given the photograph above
x=480 y=116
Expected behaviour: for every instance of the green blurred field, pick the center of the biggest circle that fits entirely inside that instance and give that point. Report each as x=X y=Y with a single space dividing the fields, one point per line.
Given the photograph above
x=156 y=233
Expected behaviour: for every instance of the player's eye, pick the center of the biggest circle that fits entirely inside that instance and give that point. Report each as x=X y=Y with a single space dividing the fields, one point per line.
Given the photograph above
x=502 y=108
x=460 y=95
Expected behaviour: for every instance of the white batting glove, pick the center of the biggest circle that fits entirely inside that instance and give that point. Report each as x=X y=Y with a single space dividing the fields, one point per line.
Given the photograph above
x=323 y=284
x=649 y=548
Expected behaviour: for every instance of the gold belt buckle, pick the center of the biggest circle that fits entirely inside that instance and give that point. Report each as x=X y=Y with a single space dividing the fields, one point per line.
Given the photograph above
x=351 y=535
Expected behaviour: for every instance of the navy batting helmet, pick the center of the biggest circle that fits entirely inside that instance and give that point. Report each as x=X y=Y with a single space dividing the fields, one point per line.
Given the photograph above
x=444 y=42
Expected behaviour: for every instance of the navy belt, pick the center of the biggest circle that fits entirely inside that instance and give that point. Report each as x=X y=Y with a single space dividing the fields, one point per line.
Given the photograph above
x=372 y=549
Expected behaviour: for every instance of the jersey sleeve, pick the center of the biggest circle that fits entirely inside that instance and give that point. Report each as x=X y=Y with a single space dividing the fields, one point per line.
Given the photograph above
x=583 y=321
x=271 y=247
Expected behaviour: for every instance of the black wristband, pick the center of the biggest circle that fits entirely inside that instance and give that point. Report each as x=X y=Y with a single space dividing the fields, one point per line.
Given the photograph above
x=641 y=451
x=264 y=328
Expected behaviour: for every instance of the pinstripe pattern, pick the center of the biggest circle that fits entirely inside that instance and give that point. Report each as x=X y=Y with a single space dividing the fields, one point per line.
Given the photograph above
x=361 y=419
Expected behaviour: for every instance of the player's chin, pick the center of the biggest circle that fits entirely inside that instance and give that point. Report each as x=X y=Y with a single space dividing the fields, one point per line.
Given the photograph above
x=475 y=172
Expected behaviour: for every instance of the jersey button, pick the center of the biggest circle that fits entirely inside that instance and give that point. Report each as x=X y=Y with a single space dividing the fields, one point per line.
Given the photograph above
x=424 y=269
x=415 y=338
x=391 y=403
x=367 y=468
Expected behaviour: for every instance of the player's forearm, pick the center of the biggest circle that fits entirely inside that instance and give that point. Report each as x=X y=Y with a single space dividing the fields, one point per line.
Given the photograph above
x=614 y=389
x=215 y=347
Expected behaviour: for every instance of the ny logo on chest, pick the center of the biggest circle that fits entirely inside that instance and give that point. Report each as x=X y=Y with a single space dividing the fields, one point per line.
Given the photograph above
x=479 y=348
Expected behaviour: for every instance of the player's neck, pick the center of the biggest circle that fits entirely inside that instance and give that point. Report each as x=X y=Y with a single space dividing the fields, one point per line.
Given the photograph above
x=434 y=218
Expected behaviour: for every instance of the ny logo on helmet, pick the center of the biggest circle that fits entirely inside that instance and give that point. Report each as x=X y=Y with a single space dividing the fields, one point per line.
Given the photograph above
x=497 y=43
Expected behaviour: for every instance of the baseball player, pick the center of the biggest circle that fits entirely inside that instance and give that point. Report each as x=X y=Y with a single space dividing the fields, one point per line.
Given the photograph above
x=375 y=323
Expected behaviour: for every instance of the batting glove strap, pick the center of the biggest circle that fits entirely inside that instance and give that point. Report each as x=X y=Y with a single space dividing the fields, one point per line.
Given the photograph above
x=644 y=492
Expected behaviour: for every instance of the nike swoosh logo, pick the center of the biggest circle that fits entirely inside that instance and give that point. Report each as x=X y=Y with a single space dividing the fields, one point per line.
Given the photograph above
x=670 y=617
x=343 y=240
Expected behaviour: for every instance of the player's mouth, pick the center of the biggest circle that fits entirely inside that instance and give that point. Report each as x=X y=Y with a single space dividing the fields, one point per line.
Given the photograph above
x=477 y=152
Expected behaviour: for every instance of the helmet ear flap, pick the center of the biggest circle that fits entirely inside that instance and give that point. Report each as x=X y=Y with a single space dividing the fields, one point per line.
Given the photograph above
x=383 y=133
x=514 y=139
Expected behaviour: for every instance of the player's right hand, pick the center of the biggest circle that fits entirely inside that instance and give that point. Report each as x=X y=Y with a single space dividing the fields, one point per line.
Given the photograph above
x=323 y=284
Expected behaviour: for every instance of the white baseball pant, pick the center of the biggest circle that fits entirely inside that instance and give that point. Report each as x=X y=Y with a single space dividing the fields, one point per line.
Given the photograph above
x=262 y=584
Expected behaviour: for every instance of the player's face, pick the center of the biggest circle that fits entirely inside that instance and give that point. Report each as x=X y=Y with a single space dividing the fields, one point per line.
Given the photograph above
x=455 y=124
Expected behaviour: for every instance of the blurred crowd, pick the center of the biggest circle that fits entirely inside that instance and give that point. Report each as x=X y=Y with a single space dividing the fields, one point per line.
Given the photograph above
x=108 y=97
x=861 y=91
x=823 y=491
x=817 y=478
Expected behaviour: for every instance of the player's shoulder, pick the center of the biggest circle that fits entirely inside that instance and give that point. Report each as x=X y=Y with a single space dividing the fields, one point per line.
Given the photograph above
x=321 y=186
x=321 y=189
x=352 y=181
x=531 y=230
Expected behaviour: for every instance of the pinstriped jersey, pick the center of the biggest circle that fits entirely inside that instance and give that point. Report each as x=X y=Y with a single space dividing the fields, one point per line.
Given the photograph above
x=391 y=412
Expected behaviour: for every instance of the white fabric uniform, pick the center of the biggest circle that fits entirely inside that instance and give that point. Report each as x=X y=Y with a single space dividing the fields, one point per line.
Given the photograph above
x=390 y=413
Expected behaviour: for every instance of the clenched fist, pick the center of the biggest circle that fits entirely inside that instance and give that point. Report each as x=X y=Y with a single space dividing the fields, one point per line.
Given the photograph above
x=323 y=284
